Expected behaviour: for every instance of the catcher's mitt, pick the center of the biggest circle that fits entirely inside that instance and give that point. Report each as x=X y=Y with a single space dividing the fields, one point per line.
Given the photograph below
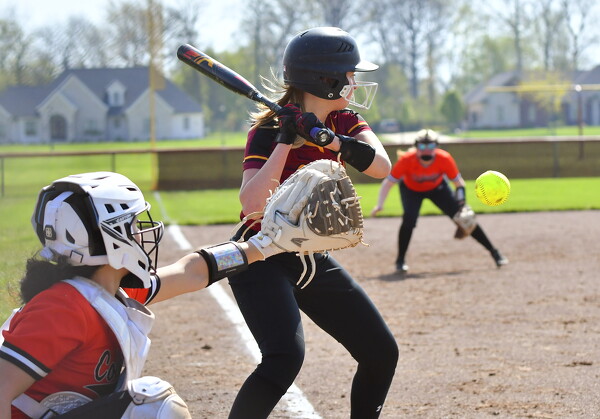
x=465 y=222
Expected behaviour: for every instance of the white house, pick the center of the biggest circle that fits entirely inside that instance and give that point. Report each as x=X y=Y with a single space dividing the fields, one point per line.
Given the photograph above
x=508 y=109
x=104 y=104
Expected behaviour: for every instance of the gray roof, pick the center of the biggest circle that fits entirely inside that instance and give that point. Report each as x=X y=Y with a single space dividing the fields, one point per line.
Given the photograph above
x=588 y=77
x=501 y=79
x=22 y=100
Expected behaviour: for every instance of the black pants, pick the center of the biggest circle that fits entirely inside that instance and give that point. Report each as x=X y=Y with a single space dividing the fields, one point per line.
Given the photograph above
x=271 y=303
x=443 y=198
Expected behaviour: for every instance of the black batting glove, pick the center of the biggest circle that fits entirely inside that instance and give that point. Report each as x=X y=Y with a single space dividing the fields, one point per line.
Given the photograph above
x=288 y=115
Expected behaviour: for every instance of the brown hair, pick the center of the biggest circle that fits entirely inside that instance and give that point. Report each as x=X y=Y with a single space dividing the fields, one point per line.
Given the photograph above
x=288 y=94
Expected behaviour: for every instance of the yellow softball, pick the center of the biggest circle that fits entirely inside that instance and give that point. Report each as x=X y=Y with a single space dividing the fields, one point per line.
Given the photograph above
x=492 y=188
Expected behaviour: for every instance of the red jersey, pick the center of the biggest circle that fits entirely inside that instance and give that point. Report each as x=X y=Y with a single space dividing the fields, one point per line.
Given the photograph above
x=421 y=178
x=88 y=359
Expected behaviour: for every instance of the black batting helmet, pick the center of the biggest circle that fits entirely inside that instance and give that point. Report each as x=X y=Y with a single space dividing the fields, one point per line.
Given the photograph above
x=317 y=60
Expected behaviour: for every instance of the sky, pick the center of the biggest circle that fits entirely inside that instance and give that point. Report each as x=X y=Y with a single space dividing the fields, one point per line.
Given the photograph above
x=224 y=15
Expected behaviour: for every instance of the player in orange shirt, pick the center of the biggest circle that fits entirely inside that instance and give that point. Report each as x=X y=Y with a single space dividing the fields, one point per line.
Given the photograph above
x=80 y=341
x=424 y=172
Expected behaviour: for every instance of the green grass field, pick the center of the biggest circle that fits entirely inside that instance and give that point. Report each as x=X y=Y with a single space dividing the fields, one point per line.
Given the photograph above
x=23 y=178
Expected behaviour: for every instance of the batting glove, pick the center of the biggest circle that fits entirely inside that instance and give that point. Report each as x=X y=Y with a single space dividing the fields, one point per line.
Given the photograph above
x=288 y=115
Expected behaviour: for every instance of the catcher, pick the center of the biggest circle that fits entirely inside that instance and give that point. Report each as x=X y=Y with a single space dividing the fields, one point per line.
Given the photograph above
x=319 y=68
x=422 y=172
x=78 y=345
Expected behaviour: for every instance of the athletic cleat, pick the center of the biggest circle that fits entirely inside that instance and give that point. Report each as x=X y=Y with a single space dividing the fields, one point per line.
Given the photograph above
x=401 y=267
x=498 y=258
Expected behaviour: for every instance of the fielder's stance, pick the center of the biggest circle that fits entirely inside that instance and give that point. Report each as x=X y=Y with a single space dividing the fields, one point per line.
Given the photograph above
x=423 y=172
x=79 y=343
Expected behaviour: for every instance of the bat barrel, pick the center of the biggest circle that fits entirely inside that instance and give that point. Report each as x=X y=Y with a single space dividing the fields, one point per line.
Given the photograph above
x=222 y=75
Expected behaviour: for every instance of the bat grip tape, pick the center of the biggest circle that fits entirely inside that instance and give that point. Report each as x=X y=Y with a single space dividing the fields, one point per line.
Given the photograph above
x=223 y=260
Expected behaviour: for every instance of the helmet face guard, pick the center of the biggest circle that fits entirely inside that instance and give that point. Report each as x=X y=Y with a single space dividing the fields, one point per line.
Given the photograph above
x=98 y=218
x=360 y=94
x=318 y=61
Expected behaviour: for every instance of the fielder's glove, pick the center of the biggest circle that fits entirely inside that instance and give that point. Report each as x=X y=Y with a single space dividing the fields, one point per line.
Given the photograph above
x=465 y=222
x=314 y=210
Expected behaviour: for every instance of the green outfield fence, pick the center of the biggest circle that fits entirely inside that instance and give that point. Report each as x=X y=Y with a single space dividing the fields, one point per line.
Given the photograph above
x=216 y=168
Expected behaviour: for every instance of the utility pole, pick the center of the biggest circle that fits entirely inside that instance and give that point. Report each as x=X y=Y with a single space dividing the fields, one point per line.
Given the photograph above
x=156 y=81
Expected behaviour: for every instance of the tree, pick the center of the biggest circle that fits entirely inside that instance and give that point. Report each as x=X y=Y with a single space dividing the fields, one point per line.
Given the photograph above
x=452 y=108
x=578 y=15
x=269 y=25
x=515 y=18
x=127 y=28
x=547 y=25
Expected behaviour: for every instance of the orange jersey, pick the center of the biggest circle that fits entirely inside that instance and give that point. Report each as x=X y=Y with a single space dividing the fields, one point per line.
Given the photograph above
x=421 y=178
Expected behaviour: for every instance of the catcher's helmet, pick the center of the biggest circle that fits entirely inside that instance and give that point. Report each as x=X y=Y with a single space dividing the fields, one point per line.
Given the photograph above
x=92 y=219
x=317 y=60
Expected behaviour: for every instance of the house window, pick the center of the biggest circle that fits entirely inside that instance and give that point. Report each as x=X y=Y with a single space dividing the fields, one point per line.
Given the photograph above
x=116 y=99
x=91 y=127
x=186 y=123
x=500 y=113
x=30 y=128
x=531 y=114
x=91 y=124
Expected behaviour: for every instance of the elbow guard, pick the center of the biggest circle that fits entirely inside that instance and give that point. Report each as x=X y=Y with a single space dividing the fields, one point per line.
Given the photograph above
x=358 y=154
x=223 y=260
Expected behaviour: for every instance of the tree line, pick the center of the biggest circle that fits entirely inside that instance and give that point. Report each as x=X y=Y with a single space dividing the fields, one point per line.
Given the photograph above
x=430 y=52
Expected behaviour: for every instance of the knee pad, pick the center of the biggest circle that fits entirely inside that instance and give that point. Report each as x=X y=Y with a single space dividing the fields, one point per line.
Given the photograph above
x=153 y=398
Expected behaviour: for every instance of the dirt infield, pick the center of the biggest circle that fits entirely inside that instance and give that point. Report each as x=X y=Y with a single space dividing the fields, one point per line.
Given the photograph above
x=475 y=341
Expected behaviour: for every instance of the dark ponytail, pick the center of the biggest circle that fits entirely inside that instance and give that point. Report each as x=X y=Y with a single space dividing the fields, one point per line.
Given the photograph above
x=40 y=274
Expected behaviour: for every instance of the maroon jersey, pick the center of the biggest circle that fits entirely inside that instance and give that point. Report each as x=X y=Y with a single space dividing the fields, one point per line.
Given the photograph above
x=261 y=143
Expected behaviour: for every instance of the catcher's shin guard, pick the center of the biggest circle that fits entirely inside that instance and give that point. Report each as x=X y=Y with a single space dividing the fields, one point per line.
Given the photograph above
x=223 y=260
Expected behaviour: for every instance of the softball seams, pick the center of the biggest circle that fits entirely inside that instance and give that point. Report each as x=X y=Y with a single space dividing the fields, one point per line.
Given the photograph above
x=489 y=201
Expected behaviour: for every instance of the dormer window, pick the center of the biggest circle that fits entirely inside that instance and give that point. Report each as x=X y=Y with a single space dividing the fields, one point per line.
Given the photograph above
x=117 y=99
x=115 y=94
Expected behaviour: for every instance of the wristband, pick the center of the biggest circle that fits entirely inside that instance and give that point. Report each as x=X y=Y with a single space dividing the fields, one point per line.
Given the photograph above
x=358 y=154
x=460 y=194
x=223 y=260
